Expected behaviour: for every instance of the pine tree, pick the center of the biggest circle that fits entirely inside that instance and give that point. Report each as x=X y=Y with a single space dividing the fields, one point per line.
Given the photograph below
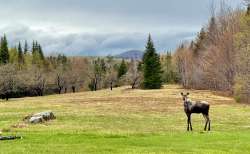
x=200 y=42
x=36 y=46
x=122 y=69
x=191 y=46
x=4 y=52
x=151 y=67
x=20 y=54
x=248 y=9
x=168 y=70
x=40 y=51
x=33 y=47
x=26 y=47
x=212 y=31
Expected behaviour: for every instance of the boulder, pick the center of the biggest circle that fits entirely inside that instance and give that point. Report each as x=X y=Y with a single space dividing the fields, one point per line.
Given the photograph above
x=40 y=117
x=48 y=115
x=36 y=120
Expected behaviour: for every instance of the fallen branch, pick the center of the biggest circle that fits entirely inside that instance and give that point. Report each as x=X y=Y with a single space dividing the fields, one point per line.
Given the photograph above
x=10 y=137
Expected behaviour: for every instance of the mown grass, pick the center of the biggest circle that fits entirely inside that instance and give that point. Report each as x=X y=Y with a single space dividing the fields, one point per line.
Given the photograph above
x=125 y=121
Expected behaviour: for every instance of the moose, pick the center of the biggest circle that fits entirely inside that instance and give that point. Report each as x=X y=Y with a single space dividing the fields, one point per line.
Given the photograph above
x=196 y=107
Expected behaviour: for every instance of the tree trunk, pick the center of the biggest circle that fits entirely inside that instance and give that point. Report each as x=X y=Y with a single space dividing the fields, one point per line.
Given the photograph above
x=111 y=85
x=73 y=89
x=95 y=85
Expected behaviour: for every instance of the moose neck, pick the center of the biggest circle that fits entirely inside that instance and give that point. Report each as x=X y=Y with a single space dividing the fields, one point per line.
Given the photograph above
x=187 y=105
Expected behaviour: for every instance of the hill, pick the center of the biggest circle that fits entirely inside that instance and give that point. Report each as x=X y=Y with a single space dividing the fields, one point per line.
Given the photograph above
x=132 y=54
x=125 y=121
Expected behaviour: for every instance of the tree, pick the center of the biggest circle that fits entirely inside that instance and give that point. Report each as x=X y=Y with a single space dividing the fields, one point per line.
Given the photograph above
x=33 y=47
x=183 y=59
x=112 y=73
x=212 y=34
x=248 y=9
x=26 y=48
x=134 y=74
x=36 y=80
x=4 y=52
x=122 y=69
x=37 y=54
x=151 y=67
x=20 y=54
x=96 y=74
x=76 y=73
x=200 y=42
x=9 y=83
x=13 y=54
x=169 y=74
x=40 y=51
x=60 y=79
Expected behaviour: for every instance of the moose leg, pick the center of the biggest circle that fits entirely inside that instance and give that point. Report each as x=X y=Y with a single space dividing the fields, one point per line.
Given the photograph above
x=190 y=123
x=206 y=119
x=208 y=123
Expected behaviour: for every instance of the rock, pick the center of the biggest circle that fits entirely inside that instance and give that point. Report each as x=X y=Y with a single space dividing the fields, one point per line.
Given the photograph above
x=40 y=117
x=36 y=120
x=48 y=115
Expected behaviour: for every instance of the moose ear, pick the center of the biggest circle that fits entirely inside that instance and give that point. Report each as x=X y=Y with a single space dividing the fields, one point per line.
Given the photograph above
x=181 y=93
x=187 y=93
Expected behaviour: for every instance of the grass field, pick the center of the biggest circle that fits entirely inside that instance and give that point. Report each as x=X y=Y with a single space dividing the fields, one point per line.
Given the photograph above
x=125 y=121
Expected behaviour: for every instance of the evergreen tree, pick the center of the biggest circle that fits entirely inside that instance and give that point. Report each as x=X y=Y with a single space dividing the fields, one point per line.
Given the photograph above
x=36 y=46
x=248 y=9
x=37 y=54
x=191 y=46
x=212 y=31
x=26 y=47
x=40 y=51
x=122 y=69
x=20 y=54
x=61 y=59
x=168 y=68
x=200 y=42
x=151 y=67
x=4 y=52
x=33 y=47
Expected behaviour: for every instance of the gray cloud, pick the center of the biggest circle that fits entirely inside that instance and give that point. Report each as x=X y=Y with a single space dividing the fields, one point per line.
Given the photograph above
x=84 y=27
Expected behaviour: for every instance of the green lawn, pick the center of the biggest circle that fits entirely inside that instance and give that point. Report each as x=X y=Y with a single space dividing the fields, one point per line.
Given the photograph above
x=125 y=121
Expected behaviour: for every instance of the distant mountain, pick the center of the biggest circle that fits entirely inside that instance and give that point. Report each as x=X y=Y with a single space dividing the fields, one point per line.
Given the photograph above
x=132 y=54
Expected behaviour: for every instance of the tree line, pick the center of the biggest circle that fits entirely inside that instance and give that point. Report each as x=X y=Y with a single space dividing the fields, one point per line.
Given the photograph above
x=26 y=71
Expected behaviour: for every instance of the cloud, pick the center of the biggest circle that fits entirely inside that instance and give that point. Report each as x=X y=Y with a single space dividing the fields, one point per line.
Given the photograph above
x=72 y=44
x=94 y=27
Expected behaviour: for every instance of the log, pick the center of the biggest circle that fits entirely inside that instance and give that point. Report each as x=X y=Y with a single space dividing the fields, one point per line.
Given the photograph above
x=10 y=137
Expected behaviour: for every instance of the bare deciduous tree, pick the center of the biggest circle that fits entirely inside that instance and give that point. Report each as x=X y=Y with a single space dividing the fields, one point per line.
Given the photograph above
x=134 y=75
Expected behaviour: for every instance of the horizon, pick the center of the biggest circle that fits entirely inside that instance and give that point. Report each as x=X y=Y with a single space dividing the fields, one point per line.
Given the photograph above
x=77 y=28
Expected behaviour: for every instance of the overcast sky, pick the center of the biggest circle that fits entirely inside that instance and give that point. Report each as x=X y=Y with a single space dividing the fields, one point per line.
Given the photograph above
x=102 y=27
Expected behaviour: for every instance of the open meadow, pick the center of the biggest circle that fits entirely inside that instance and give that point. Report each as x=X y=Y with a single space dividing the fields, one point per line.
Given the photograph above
x=125 y=121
